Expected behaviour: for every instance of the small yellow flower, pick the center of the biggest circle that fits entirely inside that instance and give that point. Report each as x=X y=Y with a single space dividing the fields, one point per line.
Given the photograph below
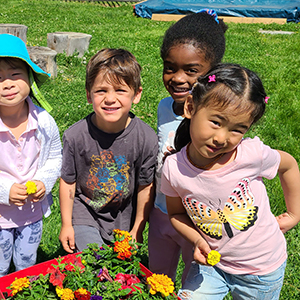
x=19 y=284
x=83 y=262
x=213 y=257
x=59 y=291
x=120 y=233
x=31 y=187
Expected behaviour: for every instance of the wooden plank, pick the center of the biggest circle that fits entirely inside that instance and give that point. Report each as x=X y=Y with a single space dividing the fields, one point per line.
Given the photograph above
x=172 y=17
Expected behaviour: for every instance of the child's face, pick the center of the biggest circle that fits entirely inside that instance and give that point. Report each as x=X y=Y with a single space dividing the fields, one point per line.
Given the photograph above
x=215 y=130
x=14 y=83
x=112 y=102
x=182 y=66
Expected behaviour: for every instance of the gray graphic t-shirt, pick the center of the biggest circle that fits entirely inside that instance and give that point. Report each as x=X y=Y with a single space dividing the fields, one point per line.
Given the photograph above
x=108 y=168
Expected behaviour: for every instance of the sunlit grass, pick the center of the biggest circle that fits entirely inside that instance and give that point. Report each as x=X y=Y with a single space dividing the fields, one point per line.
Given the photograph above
x=274 y=57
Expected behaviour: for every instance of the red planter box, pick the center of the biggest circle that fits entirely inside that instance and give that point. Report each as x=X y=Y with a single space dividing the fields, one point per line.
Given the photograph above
x=39 y=269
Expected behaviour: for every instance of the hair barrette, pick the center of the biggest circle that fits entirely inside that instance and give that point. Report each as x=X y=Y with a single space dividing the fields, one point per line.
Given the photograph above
x=210 y=12
x=193 y=87
x=212 y=78
x=266 y=99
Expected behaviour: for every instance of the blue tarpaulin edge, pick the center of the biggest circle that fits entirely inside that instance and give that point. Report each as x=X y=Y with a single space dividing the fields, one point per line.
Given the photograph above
x=288 y=10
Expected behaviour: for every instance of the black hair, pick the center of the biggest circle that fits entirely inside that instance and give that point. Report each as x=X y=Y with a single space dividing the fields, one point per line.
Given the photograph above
x=200 y=30
x=224 y=85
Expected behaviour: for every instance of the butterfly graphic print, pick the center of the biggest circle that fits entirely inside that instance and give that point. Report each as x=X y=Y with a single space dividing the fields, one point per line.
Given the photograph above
x=239 y=211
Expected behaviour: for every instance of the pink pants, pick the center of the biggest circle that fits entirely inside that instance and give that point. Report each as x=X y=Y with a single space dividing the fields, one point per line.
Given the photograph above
x=165 y=246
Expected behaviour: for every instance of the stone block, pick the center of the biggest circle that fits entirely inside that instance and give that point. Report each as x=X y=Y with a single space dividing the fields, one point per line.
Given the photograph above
x=69 y=42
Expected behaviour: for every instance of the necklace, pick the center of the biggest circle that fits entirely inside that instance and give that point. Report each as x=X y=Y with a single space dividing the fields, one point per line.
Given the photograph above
x=206 y=167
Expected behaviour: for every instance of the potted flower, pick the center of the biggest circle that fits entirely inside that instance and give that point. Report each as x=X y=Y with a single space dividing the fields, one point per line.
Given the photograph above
x=109 y=272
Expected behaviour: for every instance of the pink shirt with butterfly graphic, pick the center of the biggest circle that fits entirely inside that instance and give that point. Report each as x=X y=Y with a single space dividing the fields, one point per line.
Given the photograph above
x=230 y=206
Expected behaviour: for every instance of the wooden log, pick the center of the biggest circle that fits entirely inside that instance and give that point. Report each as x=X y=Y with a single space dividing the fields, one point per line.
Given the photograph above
x=69 y=42
x=18 y=30
x=45 y=58
x=173 y=17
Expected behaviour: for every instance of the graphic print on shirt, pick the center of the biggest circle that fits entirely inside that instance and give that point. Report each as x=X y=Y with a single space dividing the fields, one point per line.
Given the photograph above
x=108 y=178
x=238 y=211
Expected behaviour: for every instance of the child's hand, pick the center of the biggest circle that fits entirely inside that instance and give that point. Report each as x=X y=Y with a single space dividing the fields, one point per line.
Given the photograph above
x=40 y=191
x=67 y=238
x=18 y=194
x=138 y=237
x=286 y=221
x=201 y=251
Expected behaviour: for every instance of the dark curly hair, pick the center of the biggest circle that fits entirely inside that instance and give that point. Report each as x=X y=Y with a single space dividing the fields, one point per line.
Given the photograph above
x=200 y=30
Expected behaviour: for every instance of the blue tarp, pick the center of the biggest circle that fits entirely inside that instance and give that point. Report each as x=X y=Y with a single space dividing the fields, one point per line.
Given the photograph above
x=289 y=10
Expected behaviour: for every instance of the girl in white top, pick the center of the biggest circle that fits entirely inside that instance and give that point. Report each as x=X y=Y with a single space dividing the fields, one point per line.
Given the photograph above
x=216 y=198
x=31 y=151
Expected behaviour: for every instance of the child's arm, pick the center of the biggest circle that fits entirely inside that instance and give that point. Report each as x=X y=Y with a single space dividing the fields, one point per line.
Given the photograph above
x=50 y=156
x=66 y=199
x=185 y=227
x=145 y=199
x=289 y=175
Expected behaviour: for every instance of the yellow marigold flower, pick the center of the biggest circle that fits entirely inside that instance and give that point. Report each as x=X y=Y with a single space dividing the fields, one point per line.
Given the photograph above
x=19 y=284
x=160 y=283
x=213 y=257
x=31 y=187
x=67 y=294
x=59 y=291
x=120 y=233
x=82 y=291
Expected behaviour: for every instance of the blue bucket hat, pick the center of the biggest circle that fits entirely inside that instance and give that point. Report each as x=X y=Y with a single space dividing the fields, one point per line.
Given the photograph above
x=14 y=47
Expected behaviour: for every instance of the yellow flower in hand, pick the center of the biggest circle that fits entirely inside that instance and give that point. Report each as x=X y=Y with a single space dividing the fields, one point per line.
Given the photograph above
x=213 y=257
x=31 y=187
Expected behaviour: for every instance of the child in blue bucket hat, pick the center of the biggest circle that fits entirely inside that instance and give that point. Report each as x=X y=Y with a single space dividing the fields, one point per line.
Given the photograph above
x=31 y=155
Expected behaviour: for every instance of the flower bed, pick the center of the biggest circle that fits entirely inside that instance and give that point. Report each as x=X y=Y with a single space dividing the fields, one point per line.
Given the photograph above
x=97 y=273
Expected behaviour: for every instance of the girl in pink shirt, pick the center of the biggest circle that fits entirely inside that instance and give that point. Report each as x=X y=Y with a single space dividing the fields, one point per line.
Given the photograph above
x=30 y=151
x=215 y=194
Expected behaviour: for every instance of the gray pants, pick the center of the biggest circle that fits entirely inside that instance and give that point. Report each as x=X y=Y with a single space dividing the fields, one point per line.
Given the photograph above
x=86 y=235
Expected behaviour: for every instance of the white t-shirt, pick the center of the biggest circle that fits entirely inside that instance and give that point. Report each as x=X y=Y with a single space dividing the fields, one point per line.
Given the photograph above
x=167 y=123
x=250 y=242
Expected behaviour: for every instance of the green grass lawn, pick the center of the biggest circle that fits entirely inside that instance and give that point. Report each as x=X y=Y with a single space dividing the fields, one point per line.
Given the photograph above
x=275 y=57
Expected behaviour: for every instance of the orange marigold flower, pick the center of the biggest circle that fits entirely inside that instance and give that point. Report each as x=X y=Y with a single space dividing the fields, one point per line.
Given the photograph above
x=123 y=249
x=19 y=284
x=160 y=283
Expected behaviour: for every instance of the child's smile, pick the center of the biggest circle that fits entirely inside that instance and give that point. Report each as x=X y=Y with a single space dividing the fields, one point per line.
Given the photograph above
x=182 y=66
x=111 y=102
x=14 y=83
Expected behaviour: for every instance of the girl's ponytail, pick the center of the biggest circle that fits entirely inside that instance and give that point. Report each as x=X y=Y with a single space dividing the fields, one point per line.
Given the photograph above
x=182 y=137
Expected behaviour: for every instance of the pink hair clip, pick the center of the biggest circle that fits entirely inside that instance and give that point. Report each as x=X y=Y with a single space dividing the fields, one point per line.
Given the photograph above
x=266 y=99
x=212 y=78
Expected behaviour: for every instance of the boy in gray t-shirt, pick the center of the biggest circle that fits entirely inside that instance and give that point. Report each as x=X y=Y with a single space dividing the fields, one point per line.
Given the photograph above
x=108 y=157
